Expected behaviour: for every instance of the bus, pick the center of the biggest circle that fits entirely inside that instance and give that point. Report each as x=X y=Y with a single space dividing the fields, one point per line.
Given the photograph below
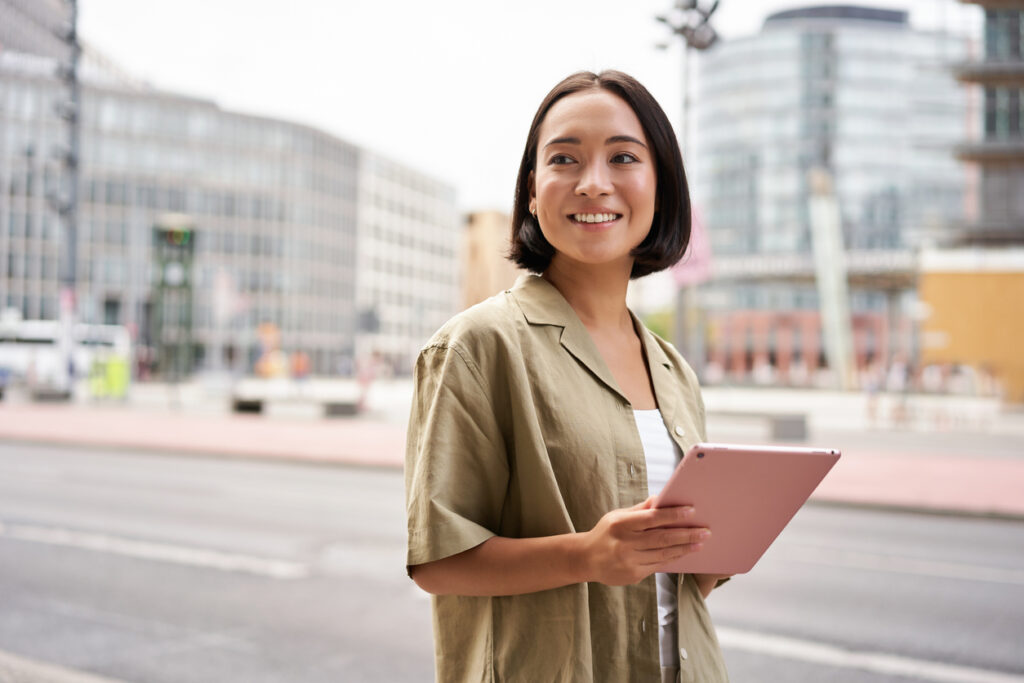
x=30 y=353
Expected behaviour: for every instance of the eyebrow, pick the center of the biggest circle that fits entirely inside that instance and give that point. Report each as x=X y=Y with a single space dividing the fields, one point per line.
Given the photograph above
x=610 y=141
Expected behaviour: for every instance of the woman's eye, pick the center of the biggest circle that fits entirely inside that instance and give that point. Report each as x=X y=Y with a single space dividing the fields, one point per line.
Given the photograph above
x=559 y=160
x=624 y=158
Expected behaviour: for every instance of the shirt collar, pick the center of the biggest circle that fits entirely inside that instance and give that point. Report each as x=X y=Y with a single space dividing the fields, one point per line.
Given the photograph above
x=542 y=304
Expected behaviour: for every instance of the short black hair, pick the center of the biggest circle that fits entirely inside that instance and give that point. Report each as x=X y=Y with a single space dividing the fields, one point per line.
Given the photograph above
x=669 y=236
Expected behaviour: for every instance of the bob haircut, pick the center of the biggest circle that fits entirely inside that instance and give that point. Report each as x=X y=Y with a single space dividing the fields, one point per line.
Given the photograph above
x=666 y=243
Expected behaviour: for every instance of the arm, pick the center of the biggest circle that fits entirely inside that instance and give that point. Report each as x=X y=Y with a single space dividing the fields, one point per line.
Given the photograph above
x=624 y=547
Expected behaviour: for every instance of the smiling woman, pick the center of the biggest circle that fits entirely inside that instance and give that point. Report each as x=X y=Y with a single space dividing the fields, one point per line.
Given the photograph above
x=545 y=418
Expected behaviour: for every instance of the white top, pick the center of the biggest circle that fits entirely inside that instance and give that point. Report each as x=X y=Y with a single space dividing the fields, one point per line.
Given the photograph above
x=661 y=455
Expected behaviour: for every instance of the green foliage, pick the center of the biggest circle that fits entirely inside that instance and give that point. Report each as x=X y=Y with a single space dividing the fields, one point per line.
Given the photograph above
x=660 y=322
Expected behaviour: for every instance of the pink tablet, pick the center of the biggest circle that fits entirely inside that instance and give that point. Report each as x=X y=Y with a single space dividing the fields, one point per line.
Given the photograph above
x=745 y=495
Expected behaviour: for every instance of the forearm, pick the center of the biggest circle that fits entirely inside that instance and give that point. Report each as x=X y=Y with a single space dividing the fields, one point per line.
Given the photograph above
x=506 y=566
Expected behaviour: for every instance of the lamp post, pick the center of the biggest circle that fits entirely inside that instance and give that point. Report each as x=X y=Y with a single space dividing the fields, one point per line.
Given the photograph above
x=689 y=22
x=66 y=203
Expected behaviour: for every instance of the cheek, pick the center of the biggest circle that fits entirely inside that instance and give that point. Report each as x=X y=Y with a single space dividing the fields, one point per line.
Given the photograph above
x=644 y=194
x=545 y=184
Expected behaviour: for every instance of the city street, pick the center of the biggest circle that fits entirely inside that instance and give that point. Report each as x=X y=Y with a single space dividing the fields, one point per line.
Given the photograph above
x=132 y=566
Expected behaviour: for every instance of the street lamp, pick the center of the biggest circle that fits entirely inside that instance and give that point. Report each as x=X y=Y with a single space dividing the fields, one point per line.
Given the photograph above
x=689 y=22
x=66 y=204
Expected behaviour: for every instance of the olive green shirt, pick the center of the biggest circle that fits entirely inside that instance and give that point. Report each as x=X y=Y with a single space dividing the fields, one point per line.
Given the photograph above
x=518 y=429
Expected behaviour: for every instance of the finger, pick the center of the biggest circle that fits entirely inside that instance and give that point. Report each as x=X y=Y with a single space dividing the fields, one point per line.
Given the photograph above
x=655 y=539
x=644 y=505
x=662 y=556
x=661 y=517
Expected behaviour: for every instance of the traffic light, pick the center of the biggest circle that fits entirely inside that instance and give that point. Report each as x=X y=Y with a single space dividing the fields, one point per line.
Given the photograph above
x=178 y=237
x=174 y=246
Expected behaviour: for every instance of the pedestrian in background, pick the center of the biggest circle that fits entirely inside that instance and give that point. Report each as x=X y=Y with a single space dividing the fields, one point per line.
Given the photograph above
x=546 y=417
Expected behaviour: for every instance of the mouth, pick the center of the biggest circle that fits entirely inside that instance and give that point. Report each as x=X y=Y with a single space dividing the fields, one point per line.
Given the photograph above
x=594 y=218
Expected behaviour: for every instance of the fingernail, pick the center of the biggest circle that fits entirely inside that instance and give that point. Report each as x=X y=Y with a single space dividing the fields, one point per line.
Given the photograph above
x=704 y=534
x=696 y=546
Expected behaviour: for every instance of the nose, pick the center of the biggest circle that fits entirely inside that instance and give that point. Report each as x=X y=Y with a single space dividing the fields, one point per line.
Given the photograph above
x=595 y=180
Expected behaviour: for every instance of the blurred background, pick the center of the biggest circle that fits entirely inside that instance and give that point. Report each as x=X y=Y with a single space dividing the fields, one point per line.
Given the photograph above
x=227 y=228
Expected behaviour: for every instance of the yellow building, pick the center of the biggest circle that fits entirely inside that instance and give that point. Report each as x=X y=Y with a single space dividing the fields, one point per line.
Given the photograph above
x=975 y=304
x=485 y=270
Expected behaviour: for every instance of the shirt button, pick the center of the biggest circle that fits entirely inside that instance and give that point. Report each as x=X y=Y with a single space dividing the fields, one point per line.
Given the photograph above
x=643 y=626
x=682 y=653
x=680 y=431
x=632 y=470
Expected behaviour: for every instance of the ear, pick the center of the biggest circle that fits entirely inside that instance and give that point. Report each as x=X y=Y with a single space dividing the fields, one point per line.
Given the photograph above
x=531 y=187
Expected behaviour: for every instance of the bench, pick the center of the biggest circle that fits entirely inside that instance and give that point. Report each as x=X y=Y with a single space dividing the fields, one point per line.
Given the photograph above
x=329 y=407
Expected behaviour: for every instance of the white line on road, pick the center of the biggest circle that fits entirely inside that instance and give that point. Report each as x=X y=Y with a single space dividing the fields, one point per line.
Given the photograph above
x=875 y=662
x=162 y=552
x=835 y=557
x=14 y=669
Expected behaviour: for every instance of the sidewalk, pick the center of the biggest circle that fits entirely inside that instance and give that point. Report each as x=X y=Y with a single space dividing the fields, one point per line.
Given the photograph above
x=962 y=471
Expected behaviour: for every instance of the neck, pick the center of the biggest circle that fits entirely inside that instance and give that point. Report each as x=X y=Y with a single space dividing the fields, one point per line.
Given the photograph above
x=596 y=293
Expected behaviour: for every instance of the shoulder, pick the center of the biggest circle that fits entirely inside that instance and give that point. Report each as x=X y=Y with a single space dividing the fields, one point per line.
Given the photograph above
x=479 y=335
x=477 y=324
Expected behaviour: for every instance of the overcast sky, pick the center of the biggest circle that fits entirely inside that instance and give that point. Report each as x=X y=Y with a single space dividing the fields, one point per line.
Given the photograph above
x=448 y=87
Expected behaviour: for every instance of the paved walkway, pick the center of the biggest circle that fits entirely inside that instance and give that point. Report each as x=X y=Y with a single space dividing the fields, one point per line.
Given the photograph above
x=940 y=470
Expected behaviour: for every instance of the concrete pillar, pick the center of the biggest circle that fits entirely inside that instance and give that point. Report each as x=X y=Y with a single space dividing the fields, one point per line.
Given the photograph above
x=718 y=353
x=762 y=324
x=811 y=338
x=881 y=342
x=783 y=346
x=860 y=342
x=738 y=341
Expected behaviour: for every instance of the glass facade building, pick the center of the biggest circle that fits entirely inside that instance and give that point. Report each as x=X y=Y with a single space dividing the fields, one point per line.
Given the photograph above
x=855 y=92
x=294 y=227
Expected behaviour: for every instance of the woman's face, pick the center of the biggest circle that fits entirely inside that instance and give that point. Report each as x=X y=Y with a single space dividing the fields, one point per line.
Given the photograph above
x=594 y=187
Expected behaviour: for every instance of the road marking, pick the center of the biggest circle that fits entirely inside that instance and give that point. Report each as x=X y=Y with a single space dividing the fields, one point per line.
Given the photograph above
x=852 y=559
x=875 y=662
x=161 y=552
x=15 y=668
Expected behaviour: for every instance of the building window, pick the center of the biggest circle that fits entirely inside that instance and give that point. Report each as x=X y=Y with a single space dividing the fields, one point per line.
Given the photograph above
x=1004 y=33
x=1004 y=111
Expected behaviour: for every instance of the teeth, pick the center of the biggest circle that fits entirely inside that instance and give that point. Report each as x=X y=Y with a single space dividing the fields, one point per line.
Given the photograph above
x=594 y=217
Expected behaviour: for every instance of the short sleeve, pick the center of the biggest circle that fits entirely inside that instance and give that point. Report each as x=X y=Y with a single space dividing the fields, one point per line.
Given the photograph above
x=456 y=468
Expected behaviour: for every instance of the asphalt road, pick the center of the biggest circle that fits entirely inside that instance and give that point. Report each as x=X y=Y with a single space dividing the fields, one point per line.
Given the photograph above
x=151 y=568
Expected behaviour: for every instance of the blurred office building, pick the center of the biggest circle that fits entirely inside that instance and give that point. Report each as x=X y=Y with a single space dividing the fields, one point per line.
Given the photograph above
x=854 y=109
x=486 y=270
x=30 y=26
x=340 y=251
x=973 y=288
x=408 y=265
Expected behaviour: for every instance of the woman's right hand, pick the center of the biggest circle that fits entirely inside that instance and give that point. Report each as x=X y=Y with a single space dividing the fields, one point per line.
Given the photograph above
x=630 y=544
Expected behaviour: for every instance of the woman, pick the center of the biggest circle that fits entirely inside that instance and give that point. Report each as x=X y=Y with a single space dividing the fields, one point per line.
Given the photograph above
x=545 y=417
